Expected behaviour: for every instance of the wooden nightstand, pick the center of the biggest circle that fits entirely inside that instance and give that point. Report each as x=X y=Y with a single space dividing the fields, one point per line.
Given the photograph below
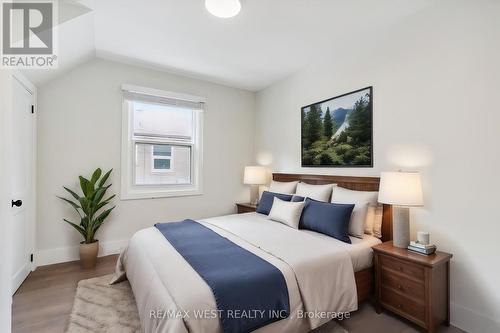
x=414 y=286
x=245 y=208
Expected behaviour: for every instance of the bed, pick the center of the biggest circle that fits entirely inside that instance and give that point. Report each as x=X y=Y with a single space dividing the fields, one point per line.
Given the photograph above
x=318 y=269
x=364 y=278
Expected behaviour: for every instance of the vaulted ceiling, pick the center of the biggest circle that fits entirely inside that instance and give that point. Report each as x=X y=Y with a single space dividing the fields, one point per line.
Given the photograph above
x=269 y=39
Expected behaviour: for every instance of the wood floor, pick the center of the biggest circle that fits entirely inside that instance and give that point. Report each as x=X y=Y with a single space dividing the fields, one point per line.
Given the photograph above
x=43 y=302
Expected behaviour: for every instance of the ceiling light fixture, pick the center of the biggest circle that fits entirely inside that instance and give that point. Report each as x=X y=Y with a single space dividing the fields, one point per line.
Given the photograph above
x=223 y=8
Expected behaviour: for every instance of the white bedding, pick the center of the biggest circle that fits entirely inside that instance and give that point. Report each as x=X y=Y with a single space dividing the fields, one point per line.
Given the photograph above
x=360 y=250
x=318 y=272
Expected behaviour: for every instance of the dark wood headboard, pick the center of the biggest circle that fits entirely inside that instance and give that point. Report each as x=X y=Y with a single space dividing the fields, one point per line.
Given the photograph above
x=350 y=182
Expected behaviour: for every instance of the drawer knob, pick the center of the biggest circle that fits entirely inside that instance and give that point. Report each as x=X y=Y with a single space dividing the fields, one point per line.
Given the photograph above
x=400 y=287
x=400 y=306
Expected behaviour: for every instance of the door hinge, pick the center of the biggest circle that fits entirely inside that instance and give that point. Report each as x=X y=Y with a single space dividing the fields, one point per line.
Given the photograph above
x=32 y=109
x=31 y=257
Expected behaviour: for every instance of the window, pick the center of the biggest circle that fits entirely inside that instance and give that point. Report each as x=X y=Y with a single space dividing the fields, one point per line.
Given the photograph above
x=161 y=143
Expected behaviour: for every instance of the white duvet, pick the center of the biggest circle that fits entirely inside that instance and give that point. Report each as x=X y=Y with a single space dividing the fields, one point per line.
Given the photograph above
x=172 y=298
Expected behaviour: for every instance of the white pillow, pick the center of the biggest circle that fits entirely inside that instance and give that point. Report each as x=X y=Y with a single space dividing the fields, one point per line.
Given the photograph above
x=370 y=219
x=361 y=200
x=374 y=217
x=286 y=212
x=283 y=187
x=315 y=192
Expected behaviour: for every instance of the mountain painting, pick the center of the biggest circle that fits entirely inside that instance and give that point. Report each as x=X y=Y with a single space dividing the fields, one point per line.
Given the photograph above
x=338 y=132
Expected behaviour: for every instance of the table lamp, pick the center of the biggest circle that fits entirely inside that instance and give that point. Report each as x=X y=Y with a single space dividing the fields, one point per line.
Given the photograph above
x=402 y=190
x=255 y=176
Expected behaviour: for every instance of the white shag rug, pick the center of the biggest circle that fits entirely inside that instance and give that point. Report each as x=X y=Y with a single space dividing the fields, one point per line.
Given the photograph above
x=103 y=308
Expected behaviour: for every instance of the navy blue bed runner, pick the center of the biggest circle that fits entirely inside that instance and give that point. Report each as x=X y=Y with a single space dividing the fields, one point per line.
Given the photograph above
x=250 y=292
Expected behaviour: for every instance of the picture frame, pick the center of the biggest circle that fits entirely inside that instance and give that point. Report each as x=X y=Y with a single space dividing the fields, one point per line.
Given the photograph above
x=338 y=132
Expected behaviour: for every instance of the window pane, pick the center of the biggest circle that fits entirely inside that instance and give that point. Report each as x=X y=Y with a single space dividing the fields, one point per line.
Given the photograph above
x=151 y=169
x=162 y=150
x=161 y=164
x=162 y=120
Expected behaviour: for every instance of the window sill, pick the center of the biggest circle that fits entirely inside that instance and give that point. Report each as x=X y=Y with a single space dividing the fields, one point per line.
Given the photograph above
x=151 y=194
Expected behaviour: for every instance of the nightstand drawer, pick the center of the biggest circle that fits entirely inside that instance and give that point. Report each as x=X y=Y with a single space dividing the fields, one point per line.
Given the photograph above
x=413 y=289
x=408 y=269
x=403 y=305
x=245 y=208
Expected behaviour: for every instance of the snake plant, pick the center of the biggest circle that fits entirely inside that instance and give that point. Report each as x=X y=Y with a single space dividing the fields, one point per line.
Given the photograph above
x=89 y=206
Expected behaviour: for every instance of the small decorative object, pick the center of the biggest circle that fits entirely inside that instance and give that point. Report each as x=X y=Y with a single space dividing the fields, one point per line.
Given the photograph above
x=422 y=245
x=90 y=211
x=255 y=176
x=402 y=190
x=423 y=237
x=338 y=132
x=422 y=248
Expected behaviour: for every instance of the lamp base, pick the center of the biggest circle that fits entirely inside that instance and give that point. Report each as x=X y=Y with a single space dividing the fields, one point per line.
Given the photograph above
x=401 y=227
x=254 y=194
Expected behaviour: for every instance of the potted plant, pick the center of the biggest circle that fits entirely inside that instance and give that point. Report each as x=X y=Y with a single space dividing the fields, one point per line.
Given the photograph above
x=91 y=208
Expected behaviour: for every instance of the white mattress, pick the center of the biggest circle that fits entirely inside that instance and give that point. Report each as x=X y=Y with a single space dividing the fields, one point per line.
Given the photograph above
x=360 y=250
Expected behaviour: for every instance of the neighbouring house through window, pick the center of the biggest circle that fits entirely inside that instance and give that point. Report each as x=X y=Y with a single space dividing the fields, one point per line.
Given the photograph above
x=162 y=158
x=161 y=143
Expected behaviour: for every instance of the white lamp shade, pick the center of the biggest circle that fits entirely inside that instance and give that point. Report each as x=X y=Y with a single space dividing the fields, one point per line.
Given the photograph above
x=401 y=189
x=223 y=8
x=255 y=175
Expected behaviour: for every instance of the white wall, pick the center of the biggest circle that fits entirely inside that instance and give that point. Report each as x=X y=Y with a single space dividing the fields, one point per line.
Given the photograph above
x=436 y=79
x=79 y=129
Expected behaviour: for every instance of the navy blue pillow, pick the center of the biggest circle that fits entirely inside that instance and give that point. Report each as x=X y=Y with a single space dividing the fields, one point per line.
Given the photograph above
x=327 y=218
x=266 y=201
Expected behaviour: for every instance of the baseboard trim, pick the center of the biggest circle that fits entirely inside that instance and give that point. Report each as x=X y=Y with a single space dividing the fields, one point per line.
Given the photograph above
x=71 y=253
x=19 y=277
x=471 y=321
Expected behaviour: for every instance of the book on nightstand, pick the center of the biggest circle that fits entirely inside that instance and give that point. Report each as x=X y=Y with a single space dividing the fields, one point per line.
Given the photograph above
x=422 y=248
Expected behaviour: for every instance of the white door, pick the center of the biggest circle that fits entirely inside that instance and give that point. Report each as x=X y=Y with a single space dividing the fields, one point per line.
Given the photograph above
x=22 y=154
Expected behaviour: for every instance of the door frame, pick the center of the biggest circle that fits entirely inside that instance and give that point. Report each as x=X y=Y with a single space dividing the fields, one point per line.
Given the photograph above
x=16 y=75
x=7 y=78
x=5 y=193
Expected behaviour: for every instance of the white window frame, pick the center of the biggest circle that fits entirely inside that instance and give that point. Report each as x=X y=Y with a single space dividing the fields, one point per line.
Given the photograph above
x=130 y=190
x=161 y=157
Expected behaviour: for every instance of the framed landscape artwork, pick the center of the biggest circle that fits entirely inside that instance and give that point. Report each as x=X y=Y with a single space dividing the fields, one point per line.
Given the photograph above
x=338 y=132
